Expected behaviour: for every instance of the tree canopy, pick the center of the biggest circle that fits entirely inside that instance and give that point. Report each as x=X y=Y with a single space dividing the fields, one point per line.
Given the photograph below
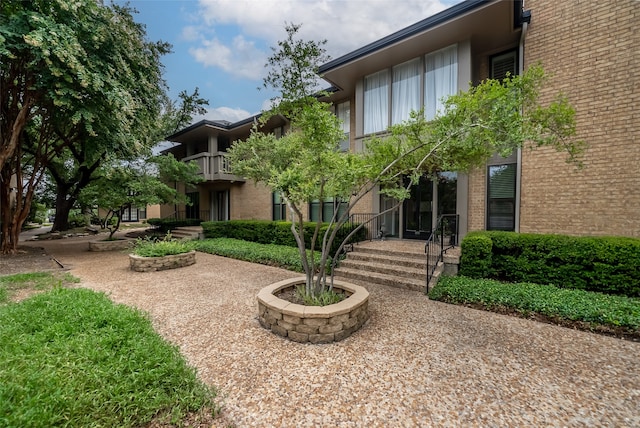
x=72 y=73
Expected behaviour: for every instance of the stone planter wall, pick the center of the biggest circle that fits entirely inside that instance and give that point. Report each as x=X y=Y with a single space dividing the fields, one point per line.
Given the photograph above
x=118 y=244
x=315 y=324
x=150 y=264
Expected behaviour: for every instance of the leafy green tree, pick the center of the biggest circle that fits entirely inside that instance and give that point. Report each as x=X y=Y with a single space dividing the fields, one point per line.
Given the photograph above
x=77 y=165
x=70 y=72
x=306 y=163
x=137 y=184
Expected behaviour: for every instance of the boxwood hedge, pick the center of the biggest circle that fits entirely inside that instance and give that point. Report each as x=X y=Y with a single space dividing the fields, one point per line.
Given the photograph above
x=604 y=264
x=168 y=224
x=273 y=232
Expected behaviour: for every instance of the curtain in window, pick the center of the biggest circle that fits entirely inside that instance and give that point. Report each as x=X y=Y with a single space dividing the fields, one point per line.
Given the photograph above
x=405 y=90
x=376 y=102
x=441 y=79
x=343 y=111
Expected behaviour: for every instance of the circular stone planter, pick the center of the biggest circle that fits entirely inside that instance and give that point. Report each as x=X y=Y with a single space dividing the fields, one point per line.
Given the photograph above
x=116 y=244
x=315 y=324
x=150 y=264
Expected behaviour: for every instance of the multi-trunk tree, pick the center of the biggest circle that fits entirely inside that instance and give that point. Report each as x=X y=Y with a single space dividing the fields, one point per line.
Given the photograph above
x=306 y=164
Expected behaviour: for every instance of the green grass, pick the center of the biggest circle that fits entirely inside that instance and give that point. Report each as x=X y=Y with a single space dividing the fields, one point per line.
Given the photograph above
x=268 y=254
x=71 y=357
x=560 y=304
x=9 y=284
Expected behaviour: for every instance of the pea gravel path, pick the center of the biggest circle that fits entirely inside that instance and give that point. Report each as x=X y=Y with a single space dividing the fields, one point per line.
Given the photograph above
x=416 y=363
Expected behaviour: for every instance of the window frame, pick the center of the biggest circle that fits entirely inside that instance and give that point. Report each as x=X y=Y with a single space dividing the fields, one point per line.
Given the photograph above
x=491 y=214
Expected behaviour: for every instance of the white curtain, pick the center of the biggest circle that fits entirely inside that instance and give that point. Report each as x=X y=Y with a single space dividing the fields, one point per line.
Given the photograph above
x=441 y=79
x=343 y=111
x=376 y=102
x=405 y=90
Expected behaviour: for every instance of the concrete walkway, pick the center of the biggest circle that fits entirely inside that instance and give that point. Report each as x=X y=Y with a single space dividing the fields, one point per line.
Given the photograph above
x=417 y=363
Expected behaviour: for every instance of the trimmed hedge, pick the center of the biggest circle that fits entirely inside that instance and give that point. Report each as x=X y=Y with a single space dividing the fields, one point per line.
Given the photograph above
x=604 y=264
x=168 y=224
x=274 y=232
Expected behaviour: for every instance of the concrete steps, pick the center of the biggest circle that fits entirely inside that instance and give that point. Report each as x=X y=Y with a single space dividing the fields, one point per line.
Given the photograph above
x=187 y=232
x=394 y=268
x=398 y=264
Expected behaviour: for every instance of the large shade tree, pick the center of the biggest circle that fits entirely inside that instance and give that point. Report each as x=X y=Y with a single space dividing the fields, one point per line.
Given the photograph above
x=306 y=164
x=75 y=168
x=70 y=71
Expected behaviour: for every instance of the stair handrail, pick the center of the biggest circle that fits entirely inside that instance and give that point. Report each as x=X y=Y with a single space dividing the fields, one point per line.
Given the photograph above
x=435 y=246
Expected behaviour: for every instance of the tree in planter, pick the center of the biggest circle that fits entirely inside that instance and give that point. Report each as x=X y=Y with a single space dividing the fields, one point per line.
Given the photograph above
x=306 y=164
x=123 y=186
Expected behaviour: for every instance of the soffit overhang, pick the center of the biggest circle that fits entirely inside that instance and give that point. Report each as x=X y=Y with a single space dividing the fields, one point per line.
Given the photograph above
x=488 y=25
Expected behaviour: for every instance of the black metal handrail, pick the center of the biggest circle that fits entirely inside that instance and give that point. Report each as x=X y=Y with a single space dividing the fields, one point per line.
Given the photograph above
x=443 y=237
x=373 y=224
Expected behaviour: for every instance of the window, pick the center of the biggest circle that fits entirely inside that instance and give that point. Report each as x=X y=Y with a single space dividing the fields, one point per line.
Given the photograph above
x=326 y=209
x=501 y=200
x=343 y=111
x=503 y=64
x=376 y=102
x=279 y=210
x=405 y=90
x=441 y=79
x=436 y=73
x=193 y=210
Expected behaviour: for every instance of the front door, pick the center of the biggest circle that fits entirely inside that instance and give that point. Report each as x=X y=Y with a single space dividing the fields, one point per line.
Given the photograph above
x=418 y=211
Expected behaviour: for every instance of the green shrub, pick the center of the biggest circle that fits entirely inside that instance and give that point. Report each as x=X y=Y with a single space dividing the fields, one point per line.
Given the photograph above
x=475 y=260
x=268 y=254
x=168 y=224
x=324 y=298
x=161 y=248
x=604 y=264
x=551 y=301
x=274 y=232
x=71 y=357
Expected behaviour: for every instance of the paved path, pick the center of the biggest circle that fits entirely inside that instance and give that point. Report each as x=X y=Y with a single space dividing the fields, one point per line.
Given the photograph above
x=416 y=363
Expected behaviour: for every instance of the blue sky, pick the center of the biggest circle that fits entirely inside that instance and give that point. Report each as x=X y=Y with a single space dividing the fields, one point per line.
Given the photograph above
x=221 y=46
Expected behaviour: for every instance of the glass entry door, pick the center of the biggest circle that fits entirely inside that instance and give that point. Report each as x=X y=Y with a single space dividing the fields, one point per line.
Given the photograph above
x=418 y=211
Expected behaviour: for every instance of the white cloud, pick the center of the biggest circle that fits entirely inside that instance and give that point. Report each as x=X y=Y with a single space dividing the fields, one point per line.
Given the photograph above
x=345 y=24
x=223 y=113
x=241 y=58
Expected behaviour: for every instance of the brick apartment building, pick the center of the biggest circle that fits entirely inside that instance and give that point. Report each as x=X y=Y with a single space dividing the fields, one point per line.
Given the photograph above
x=589 y=50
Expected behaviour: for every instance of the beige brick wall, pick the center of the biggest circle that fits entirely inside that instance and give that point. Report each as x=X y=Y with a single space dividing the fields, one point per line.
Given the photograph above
x=590 y=50
x=250 y=202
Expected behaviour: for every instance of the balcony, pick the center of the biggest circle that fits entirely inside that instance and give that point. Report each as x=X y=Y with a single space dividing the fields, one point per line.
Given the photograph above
x=214 y=167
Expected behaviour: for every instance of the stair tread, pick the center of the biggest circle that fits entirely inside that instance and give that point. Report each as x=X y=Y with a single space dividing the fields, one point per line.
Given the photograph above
x=402 y=270
x=375 y=275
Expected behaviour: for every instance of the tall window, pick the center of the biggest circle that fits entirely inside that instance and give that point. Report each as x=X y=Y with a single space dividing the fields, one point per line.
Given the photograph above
x=376 y=102
x=279 y=207
x=343 y=111
x=501 y=189
x=441 y=79
x=324 y=210
x=436 y=72
x=405 y=91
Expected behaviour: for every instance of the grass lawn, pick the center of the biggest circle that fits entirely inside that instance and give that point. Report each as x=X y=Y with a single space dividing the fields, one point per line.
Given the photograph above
x=71 y=357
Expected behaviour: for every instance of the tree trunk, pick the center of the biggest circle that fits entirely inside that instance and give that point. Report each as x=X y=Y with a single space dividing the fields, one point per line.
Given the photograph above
x=63 y=208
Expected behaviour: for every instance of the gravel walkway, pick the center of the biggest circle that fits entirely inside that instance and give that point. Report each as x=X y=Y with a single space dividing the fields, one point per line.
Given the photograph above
x=416 y=363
